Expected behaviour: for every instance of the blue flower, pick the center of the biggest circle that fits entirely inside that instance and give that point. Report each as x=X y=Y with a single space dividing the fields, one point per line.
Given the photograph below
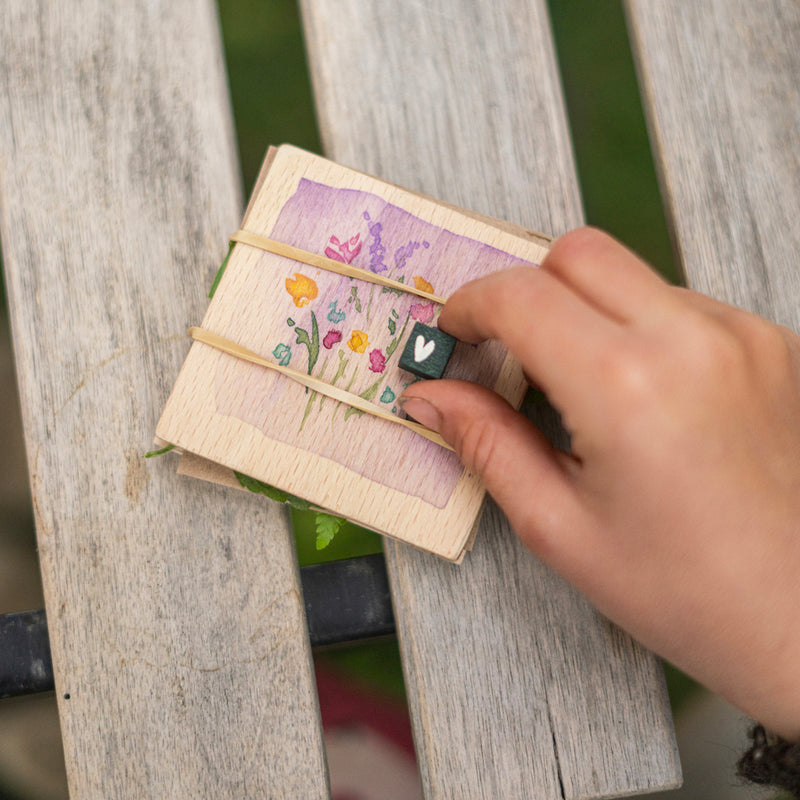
x=283 y=353
x=335 y=316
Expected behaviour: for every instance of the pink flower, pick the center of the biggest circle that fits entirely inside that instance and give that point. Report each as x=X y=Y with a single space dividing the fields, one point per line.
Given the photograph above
x=331 y=338
x=422 y=312
x=377 y=361
x=343 y=251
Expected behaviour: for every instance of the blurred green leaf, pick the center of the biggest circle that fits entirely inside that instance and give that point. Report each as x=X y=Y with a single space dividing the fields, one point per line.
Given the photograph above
x=326 y=527
x=259 y=487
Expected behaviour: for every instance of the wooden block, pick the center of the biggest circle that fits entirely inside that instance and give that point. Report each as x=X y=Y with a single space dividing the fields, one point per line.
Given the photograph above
x=427 y=351
x=346 y=334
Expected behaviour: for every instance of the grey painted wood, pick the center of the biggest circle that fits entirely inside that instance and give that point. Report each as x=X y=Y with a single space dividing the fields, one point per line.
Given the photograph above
x=174 y=611
x=721 y=80
x=517 y=687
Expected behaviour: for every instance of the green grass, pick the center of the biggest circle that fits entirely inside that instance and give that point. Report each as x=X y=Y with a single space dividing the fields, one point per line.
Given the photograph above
x=269 y=82
x=612 y=150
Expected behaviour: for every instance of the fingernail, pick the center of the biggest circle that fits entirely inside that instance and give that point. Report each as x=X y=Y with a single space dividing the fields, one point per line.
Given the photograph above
x=423 y=412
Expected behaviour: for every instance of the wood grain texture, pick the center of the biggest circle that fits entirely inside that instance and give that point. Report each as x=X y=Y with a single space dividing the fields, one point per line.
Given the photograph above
x=181 y=656
x=721 y=82
x=517 y=687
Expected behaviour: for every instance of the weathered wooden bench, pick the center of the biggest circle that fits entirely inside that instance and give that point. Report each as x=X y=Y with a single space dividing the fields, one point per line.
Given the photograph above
x=181 y=654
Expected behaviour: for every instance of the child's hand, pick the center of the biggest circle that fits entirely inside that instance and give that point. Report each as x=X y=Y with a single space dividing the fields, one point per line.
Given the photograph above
x=678 y=511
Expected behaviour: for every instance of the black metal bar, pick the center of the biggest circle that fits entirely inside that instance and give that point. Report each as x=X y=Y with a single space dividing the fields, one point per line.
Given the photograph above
x=25 y=663
x=345 y=601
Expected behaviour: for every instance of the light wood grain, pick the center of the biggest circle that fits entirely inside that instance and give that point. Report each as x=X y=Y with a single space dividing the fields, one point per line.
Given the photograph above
x=269 y=426
x=721 y=82
x=517 y=688
x=181 y=658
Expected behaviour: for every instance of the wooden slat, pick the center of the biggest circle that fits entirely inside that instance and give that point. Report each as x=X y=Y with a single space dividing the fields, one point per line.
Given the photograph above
x=721 y=80
x=517 y=688
x=181 y=658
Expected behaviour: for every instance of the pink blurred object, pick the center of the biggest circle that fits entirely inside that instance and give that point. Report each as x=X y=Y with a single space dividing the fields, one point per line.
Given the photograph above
x=368 y=742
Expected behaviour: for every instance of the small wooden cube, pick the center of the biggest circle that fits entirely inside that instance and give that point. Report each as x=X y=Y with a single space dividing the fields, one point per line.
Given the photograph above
x=427 y=352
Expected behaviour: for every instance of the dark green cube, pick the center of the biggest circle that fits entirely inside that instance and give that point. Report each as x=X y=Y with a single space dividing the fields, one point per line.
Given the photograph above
x=427 y=352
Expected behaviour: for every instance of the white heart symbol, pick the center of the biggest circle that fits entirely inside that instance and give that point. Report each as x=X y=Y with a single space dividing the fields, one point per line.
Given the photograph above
x=423 y=349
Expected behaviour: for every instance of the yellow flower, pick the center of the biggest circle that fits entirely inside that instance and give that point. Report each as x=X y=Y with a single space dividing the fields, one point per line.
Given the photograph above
x=302 y=289
x=358 y=341
x=423 y=285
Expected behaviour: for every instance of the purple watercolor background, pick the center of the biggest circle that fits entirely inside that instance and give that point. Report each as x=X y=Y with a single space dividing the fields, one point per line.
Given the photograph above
x=372 y=234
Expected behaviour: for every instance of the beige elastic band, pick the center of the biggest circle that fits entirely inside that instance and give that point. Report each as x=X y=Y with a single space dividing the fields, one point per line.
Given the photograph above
x=315 y=384
x=330 y=264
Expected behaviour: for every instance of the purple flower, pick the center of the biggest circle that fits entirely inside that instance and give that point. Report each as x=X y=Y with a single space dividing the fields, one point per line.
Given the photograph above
x=377 y=361
x=331 y=338
x=402 y=254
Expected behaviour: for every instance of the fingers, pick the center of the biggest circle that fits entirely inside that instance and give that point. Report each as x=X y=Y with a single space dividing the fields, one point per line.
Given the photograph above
x=519 y=467
x=557 y=337
x=608 y=275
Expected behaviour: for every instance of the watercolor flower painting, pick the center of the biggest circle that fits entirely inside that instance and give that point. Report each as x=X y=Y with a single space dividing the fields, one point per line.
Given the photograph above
x=343 y=251
x=358 y=341
x=377 y=361
x=422 y=312
x=423 y=285
x=373 y=311
x=302 y=289
x=376 y=310
x=331 y=338
x=334 y=315
x=283 y=353
x=350 y=333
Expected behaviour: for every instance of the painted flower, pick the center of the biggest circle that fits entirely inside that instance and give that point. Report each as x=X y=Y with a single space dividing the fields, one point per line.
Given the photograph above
x=343 y=251
x=331 y=338
x=377 y=249
x=358 y=341
x=334 y=315
x=283 y=353
x=422 y=312
x=402 y=254
x=302 y=289
x=388 y=396
x=377 y=361
x=422 y=284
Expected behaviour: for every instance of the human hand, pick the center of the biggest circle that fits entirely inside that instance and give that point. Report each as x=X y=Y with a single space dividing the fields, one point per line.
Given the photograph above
x=677 y=512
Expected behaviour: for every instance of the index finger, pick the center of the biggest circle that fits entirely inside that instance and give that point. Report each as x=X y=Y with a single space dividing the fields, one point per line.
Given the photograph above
x=557 y=336
x=608 y=275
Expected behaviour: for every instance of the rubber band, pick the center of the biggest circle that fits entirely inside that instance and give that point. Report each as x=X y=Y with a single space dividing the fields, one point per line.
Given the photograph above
x=315 y=384
x=330 y=264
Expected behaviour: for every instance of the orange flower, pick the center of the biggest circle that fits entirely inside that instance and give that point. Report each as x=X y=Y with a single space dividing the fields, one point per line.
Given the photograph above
x=302 y=289
x=423 y=285
x=358 y=341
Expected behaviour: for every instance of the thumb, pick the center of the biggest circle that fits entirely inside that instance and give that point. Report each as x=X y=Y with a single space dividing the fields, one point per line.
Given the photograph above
x=525 y=475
